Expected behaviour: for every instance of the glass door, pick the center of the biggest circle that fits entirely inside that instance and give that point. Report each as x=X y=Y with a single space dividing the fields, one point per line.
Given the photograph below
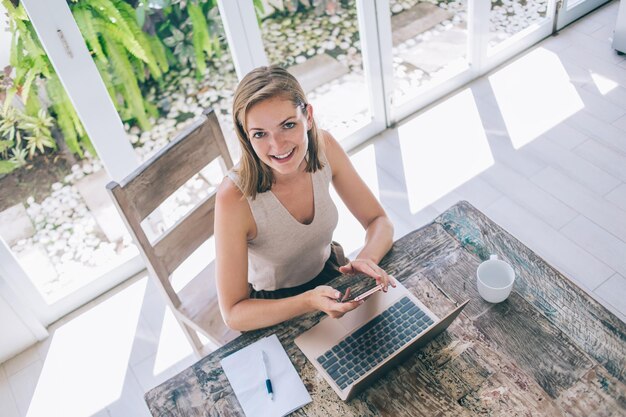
x=323 y=44
x=517 y=24
x=429 y=51
x=364 y=64
x=61 y=244
x=437 y=46
x=570 y=10
x=150 y=74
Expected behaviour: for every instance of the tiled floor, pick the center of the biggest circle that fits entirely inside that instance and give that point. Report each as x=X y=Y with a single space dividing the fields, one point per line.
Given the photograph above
x=539 y=145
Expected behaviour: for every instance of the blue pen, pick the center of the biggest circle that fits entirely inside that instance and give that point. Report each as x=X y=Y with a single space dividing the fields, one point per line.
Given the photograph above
x=268 y=382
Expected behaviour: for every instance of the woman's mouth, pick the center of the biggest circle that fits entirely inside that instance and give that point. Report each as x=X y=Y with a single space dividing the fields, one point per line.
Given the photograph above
x=283 y=157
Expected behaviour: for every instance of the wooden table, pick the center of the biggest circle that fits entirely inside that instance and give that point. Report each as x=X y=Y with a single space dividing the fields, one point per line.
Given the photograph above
x=549 y=349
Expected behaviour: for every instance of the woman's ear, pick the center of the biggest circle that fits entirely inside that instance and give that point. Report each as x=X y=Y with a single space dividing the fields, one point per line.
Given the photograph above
x=309 y=116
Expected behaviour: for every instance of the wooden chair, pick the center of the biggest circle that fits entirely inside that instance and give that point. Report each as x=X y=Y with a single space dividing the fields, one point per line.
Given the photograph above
x=195 y=305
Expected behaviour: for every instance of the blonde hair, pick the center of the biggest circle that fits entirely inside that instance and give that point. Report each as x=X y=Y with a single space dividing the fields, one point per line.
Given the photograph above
x=261 y=84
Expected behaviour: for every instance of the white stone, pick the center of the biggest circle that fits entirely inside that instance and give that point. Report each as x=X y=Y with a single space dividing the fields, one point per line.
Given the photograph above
x=396 y=8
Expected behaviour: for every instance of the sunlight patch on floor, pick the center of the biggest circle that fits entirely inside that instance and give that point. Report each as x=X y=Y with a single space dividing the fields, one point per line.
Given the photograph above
x=603 y=84
x=349 y=232
x=173 y=344
x=85 y=367
x=443 y=148
x=534 y=94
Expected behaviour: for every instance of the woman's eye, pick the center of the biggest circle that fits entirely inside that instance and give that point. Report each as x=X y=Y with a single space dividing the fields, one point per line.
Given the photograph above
x=289 y=125
x=258 y=135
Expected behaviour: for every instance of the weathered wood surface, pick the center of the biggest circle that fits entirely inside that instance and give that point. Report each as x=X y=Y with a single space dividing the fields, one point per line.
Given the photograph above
x=599 y=333
x=549 y=350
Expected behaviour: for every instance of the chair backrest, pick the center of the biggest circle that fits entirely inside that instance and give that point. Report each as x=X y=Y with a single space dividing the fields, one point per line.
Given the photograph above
x=144 y=190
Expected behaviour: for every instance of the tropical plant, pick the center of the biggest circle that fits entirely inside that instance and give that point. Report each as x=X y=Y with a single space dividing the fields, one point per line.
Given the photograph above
x=29 y=63
x=5 y=146
x=125 y=55
x=39 y=136
x=192 y=30
x=18 y=157
x=23 y=135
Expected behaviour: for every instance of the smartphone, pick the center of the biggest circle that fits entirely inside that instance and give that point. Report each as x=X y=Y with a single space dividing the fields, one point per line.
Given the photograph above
x=348 y=297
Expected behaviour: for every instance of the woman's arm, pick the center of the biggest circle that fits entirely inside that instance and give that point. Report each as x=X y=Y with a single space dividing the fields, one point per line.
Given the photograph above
x=367 y=210
x=234 y=224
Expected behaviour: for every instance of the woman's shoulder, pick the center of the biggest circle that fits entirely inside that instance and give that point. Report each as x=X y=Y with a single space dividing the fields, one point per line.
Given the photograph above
x=332 y=150
x=327 y=139
x=232 y=208
x=229 y=194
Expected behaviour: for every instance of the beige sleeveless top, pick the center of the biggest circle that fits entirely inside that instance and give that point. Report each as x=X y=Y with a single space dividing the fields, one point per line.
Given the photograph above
x=286 y=253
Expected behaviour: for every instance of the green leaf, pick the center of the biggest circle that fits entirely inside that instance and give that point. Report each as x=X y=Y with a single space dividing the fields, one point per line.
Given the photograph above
x=113 y=31
x=260 y=8
x=5 y=144
x=6 y=167
x=128 y=86
x=65 y=115
x=159 y=53
x=140 y=11
x=8 y=100
x=85 y=19
x=170 y=41
x=179 y=36
x=28 y=80
x=127 y=11
x=86 y=142
x=67 y=127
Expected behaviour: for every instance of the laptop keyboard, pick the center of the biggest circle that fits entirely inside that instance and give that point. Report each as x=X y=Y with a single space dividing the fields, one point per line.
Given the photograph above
x=373 y=342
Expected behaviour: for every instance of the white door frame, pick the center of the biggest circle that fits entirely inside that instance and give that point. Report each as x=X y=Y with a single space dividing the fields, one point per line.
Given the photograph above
x=17 y=279
x=66 y=49
x=579 y=9
x=243 y=35
x=373 y=39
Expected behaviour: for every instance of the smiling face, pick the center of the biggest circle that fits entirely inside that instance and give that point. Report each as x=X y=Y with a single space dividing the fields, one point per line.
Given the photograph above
x=277 y=130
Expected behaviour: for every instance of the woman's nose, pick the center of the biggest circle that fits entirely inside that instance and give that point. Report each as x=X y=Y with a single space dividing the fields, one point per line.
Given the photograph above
x=277 y=139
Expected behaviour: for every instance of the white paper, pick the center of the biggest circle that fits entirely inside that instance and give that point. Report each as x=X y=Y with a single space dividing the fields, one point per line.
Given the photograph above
x=244 y=370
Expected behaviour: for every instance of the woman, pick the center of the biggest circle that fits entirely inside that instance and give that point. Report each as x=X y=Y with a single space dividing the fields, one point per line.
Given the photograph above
x=274 y=217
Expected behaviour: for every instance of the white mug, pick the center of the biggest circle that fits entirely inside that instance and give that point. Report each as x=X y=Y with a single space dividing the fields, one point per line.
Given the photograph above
x=494 y=279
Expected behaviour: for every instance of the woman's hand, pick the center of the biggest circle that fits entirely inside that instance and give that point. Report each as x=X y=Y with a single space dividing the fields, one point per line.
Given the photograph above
x=368 y=267
x=325 y=298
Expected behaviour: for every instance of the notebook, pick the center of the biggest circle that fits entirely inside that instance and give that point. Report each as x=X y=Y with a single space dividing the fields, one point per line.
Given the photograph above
x=246 y=374
x=355 y=350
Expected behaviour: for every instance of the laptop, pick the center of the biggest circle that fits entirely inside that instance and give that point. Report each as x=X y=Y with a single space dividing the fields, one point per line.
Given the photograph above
x=355 y=350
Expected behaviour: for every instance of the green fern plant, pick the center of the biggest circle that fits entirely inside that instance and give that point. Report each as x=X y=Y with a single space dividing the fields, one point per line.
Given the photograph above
x=200 y=36
x=124 y=53
x=125 y=83
x=110 y=28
